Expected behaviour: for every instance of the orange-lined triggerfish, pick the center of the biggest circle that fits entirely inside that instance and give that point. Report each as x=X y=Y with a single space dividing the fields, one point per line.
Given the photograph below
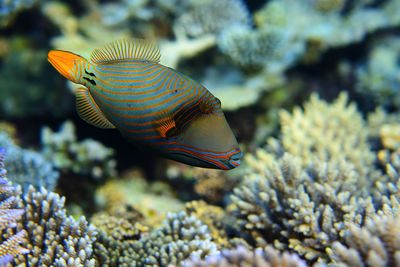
x=125 y=87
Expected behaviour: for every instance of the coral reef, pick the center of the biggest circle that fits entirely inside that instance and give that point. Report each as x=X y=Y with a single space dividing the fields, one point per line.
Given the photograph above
x=9 y=9
x=301 y=209
x=8 y=218
x=375 y=244
x=27 y=167
x=377 y=119
x=214 y=217
x=308 y=197
x=305 y=30
x=211 y=185
x=335 y=133
x=267 y=257
x=380 y=73
x=205 y=17
x=288 y=33
x=181 y=236
x=323 y=189
x=50 y=237
x=87 y=157
x=390 y=136
x=53 y=238
x=125 y=242
x=116 y=235
x=153 y=201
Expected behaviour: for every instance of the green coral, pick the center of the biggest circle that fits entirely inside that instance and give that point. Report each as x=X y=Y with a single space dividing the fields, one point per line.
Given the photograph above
x=379 y=76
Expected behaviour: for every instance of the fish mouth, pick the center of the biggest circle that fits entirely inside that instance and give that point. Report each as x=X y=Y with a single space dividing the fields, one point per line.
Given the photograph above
x=63 y=62
x=236 y=158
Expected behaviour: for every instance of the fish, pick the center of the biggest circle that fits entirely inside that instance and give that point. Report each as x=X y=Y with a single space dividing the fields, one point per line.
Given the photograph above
x=124 y=86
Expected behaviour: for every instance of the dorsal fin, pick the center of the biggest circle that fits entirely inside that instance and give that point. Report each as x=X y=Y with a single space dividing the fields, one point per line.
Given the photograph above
x=126 y=49
x=89 y=111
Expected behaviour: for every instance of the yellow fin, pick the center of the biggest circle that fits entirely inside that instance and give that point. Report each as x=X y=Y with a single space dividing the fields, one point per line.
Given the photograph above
x=126 y=49
x=89 y=111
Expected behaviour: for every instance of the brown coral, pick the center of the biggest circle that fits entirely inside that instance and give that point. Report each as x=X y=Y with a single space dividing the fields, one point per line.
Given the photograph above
x=332 y=133
x=267 y=257
x=376 y=244
x=214 y=217
x=117 y=233
x=211 y=184
x=307 y=198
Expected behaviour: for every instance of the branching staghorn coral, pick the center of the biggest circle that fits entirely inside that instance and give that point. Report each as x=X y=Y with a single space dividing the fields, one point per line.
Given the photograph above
x=304 y=209
x=10 y=247
x=306 y=199
x=53 y=238
x=116 y=235
x=334 y=133
x=387 y=194
x=249 y=47
x=87 y=157
x=267 y=257
x=390 y=136
x=27 y=167
x=205 y=17
x=215 y=219
x=376 y=244
x=306 y=29
x=182 y=236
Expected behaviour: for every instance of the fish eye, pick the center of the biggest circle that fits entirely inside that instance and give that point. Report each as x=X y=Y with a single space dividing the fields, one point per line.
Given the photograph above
x=218 y=103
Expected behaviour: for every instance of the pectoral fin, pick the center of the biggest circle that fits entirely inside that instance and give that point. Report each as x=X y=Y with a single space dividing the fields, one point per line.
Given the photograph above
x=89 y=111
x=167 y=127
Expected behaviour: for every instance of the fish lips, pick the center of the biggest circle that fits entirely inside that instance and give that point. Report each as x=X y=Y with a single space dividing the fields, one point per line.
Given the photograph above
x=63 y=62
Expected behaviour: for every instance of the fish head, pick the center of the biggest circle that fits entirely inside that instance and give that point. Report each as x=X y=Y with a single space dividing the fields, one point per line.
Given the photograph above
x=65 y=63
x=209 y=142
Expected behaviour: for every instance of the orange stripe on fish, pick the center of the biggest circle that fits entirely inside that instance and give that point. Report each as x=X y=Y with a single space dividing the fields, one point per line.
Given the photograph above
x=126 y=88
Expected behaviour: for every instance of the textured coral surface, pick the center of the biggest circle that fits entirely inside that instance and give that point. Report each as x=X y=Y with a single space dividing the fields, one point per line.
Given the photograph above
x=309 y=88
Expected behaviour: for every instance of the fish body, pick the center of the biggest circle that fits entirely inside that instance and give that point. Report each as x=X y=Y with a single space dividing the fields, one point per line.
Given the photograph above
x=152 y=105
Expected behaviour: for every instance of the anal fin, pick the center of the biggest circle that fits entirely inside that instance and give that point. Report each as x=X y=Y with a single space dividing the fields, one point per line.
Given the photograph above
x=89 y=111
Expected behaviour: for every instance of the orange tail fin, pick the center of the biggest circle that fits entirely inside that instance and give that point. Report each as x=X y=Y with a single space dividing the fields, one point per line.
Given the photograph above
x=64 y=62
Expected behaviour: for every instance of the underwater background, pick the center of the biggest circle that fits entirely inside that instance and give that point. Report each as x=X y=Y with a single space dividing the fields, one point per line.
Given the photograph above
x=310 y=88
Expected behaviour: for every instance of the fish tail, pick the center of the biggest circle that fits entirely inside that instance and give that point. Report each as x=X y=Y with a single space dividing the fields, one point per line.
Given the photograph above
x=66 y=63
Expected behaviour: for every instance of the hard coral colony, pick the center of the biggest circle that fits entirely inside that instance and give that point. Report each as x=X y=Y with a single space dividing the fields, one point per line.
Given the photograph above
x=310 y=88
